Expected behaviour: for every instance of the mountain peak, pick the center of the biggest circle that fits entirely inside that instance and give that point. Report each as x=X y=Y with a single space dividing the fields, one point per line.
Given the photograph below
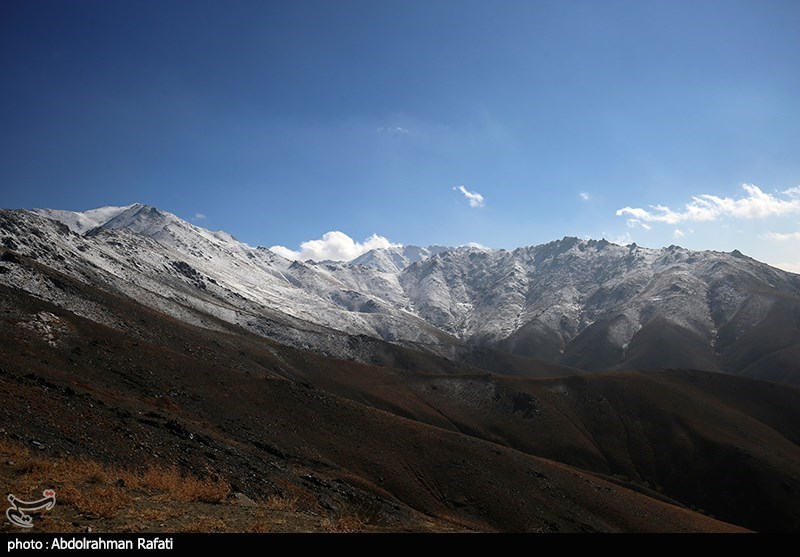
x=84 y=221
x=126 y=216
x=395 y=259
x=140 y=218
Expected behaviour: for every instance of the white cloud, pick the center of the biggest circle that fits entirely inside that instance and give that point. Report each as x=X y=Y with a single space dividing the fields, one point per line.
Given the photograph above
x=393 y=130
x=334 y=245
x=474 y=245
x=283 y=251
x=705 y=207
x=584 y=196
x=475 y=199
x=791 y=267
x=633 y=223
x=622 y=240
x=781 y=236
x=678 y=233
x=199 y=216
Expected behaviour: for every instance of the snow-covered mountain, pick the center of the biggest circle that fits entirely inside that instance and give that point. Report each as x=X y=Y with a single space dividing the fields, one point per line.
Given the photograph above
x=193 y=274
x=83 y=221
x=395 y=259
x=585 y=303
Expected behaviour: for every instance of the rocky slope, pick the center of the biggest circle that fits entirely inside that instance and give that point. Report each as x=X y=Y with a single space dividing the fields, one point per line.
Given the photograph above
x=468 y=451
x=581 y=303
x=146 y=339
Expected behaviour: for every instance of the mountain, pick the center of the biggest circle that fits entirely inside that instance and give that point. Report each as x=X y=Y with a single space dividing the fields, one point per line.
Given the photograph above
x=132 y=337
x=396 y=448
x=84 y=221
x=583 y=304
x=395 y=259
x=598 y=306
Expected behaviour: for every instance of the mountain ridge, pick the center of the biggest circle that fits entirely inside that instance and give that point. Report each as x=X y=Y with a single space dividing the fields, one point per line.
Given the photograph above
x=587 y=304
x=282 y=377
x=623 y=451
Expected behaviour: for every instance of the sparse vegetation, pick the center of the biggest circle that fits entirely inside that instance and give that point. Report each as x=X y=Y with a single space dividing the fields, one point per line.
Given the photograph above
x=106 y=482
x=183 y=487
x=95 y=497
x=102 y=502
x=295 y=498
x=281 y=503
x=344 y=524
x=102 y=491
x=202 y=524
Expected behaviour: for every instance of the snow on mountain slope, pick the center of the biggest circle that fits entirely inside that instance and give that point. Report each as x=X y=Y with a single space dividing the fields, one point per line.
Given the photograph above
x=83 y=221
x=586 y=303
x=395 y=259
x=569 y=284
x=176 y=267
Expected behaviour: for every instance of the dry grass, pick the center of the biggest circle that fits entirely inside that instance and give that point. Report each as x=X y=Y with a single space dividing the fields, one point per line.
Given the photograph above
x=282 y=503
x=184 y=488
x=105 y=497
x=101 y=491
x=344 y=524
x=297 y=498
x=102 y=502
x=63 y=474
x=69 y=495
x=159 y=514
x=265 y=521
x=7 y=449
x=205 y=524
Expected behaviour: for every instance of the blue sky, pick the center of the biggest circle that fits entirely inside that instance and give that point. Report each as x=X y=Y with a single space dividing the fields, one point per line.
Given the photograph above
x=281 y=121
